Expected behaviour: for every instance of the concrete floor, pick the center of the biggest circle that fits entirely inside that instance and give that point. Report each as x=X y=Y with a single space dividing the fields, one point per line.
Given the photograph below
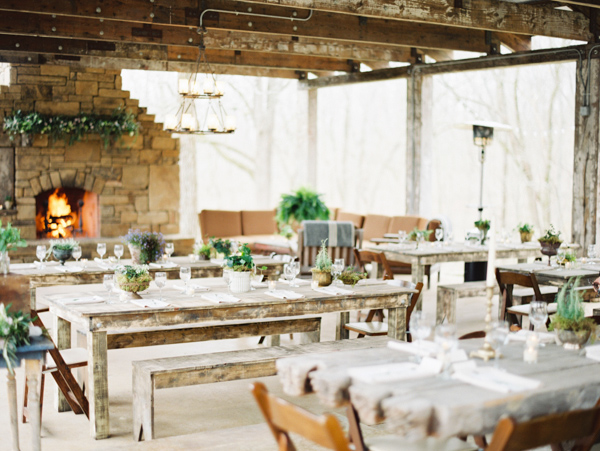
x=193 y=409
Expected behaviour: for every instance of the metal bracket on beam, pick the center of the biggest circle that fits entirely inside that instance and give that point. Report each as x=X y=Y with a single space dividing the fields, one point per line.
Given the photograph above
x=354 y=66
x=416 y=56
x=302 y=75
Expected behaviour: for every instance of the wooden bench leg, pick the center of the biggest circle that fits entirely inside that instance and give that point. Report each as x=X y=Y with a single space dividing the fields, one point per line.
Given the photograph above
x=341 y=333
x=311 y=337
x=273 y=340
x=143 y=406
x=446 y=305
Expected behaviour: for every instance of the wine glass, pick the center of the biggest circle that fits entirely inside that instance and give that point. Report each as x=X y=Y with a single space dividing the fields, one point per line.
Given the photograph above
x=336 y=270
x=439 y=234
x=169 y=249
x=76 y=253
x=101 y=249
x=497 y=337
x=538 y=314
x=289 y=272
x=109 y=284
x=402 y=235
x=420 y=326
x=446 y=337
x=118 y=252
x=40 y=252
x=185 y=274
x=160 y=279
x=592 y=253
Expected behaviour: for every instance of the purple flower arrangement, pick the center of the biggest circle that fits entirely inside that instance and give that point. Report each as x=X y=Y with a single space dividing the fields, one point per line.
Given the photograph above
x=151 y=244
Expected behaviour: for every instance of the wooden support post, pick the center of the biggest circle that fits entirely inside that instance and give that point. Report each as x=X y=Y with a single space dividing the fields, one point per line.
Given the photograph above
x=418 y=141
x=62 y=338
x=585 y=167
x=98 y=384
x=311 y=155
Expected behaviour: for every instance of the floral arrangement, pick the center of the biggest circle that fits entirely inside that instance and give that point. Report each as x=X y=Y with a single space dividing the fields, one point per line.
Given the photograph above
x=570 y=314
x=242 y=262
x=203 y=250
x=415 y=234
x=15 y=330
x=151 y=244
x=351 y=276
x=74 y=127
x=65 y=244
x=220 y=246
x=483 y=224
x=132 y=278
x=551 y=236
x=323 y=261
x=10 y=238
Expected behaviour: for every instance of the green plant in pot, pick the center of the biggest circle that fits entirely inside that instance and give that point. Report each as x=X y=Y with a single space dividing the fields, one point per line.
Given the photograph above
x=10 y=239
x=571 y=325
x=220 y=248
x=302 y=205
x=8 y=202
x=419 y=235
x=550 y=242
x=241 y=267
x=203 y=251
x=351 y=276
x=525 y=231
x=321 y=273
x=62 y=249
x=132 y=279
x=483 y=225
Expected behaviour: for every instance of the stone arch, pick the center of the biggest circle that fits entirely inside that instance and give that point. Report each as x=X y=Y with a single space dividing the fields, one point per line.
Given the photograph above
x=68 y=178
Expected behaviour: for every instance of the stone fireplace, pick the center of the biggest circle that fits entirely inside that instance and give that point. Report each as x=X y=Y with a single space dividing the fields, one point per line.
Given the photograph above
x=86 y=189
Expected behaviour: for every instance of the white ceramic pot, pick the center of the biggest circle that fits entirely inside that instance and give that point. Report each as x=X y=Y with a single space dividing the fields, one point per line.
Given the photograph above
x=239 y=282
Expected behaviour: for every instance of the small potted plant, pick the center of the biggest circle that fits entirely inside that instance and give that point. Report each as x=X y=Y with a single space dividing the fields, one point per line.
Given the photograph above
x=351 y=276
x=572 y=327
x=302 y=205
x=240 y=268
x=550 y=242
x=62 y=249
x=132 y=279
x=8 y=202
x=203 y=251
x=15 y=330
x=10 y=238
x=145 y=247
x=220 y=248
x=483 y=225
x=419 y=235
x=321 y=273
x=526 y=232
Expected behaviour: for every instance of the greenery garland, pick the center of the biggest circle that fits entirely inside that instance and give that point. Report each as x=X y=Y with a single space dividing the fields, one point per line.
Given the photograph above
x=15 y=330
x=116 y=125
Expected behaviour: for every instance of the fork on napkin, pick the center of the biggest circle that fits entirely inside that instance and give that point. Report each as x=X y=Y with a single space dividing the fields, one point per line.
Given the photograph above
x=163 y=265
x=334 y=291
x=285 y=294
x=102 y=263
x=195 y=287
x=69 y=268
x=220 y=298
x=80 y=300
x=150 y=303
x=296 y=281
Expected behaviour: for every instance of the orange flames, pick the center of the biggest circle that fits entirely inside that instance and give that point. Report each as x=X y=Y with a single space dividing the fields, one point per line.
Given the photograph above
x=59 y=216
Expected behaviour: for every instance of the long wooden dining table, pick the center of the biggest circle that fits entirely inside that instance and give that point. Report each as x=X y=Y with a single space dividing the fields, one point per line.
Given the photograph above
x=555 y=275
x=440 y=407
x=100 y=318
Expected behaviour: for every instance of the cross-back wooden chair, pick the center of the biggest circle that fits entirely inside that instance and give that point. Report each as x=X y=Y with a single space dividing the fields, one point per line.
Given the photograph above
x=506 y=282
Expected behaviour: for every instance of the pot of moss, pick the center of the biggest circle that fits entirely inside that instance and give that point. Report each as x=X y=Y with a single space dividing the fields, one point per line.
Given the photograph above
x=419 y=235
x=525 y=231
x=302 y=205
x=550 y=243
x=62 y=249
x=202 y=251
x=321 y=273
x=132 y=279
x=572 y=328
x=240 y=270
x=483 y=225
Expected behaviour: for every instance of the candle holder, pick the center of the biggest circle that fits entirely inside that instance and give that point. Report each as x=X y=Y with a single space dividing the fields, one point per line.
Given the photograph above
x=486 y=352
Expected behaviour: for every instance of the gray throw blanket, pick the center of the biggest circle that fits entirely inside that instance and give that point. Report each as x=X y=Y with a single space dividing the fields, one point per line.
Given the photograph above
x=337 y=233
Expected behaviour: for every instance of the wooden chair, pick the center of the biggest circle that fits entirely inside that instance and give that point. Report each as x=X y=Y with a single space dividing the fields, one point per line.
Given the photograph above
x=472 y=335
x=506 y=282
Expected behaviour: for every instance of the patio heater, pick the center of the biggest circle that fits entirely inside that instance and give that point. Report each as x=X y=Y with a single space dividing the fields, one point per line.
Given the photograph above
x=482 y=136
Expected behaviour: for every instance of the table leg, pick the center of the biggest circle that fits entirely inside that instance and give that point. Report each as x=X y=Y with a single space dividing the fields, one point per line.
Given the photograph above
x=62 y=338
x=397 y=323
x=11 y=386
x=445 y=305
x=417 y=271
x=342 y=333
x=273 y=340
x=98 y=384
x=33 y=370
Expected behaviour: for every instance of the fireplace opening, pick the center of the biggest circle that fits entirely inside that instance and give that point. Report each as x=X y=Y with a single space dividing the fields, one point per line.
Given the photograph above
x=67 y=213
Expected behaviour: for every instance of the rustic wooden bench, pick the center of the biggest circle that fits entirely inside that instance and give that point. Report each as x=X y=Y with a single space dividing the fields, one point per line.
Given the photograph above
x=447 y=295
x=151 y=375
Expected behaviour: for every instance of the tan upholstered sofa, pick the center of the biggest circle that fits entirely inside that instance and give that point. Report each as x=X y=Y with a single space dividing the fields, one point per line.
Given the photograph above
x=375 y=226
x=246 y=226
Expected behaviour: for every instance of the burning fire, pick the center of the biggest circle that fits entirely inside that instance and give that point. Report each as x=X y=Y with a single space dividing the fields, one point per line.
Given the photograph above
x=59 y=217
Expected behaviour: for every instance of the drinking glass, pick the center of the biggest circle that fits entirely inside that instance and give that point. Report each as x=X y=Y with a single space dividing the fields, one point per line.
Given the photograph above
x=109 y=284
x=447 y=338
x=402 y=235
x=439 y=234
x=336 y=270
x=592 y=253
x=101 y=249
x=289 y=272
x=76 y=253
x=497 y=337
x=420 y=326
x=169 y=249
x=538 y=314
x=40 y=252
x=185 y=274
x=160 y=279
x=119 y=252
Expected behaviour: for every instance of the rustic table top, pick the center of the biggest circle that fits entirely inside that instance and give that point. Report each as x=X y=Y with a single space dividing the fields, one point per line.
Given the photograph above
x=444 y=407
x=554 y=275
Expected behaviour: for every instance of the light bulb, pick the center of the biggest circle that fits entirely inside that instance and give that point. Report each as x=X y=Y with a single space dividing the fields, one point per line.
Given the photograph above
x=197 y=88
x=188 y=122
x=171 y=122
x=183 y=86
x=212 y=122
x=230 y=123
x=209 y=86
x=220 y=88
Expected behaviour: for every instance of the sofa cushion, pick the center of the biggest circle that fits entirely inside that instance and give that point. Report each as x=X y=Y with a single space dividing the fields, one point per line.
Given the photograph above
x=406 y=223
x=258 y=222
x=352 y=217
x=375 y=226
x=220 y=223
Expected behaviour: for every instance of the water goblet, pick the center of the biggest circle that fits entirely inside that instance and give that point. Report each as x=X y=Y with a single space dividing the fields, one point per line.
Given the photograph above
x=538 y=314
x=402 y=235
x=101 y=249
x=447 y=338
x=160 y=279
x=420 y=326
x=289 y=272
x=592 y=253
x=336 y=270
x=109 y=284
x=185 y=274
x=118 y=252
x=439 y=234
x=40 y=252
x=76 y=253
x=169 y=249
x=497 y=337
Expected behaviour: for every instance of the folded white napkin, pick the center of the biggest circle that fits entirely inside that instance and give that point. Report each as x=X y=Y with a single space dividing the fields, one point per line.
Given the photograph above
x=334 y=291
x=395 y=283
x=495 y=379
x=258 y=284
x=69 y=268
x=195 y=287
x=298 y=282
x=51 y=263
x=163 y=265
x=593 y=352
x=285 y=294
x=80 y=300
x=389 y=372
x=149 y=303
x=423 y=348
x=220 y=298
x=521 y=335
x=103 y=263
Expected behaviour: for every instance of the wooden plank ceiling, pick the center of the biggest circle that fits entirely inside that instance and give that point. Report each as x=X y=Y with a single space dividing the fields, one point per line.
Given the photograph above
x=299 y=36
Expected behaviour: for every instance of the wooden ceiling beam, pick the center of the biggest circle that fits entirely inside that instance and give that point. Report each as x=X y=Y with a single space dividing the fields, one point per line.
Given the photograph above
x=491 y=15
x=515 y=42
x=585 y=3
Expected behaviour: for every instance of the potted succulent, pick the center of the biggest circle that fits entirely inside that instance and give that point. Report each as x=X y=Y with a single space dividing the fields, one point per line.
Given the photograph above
x=302 y=205
x=419 y=235
x=62 y=249
x=10 y=238
x=145 y=247
x=351 y=276
x=8 y=202
x=572 y=327
x=240 y=268
x=483 y=225
x=203 y=251
x=321 y=273
x=526 y=232
x=550 y=242
x=132 y=279
x=220 y=248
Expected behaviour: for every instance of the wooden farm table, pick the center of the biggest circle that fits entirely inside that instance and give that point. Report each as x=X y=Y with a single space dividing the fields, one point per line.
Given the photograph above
x=54 y=274
x=445 y=408
x=98 y=319
x=548 y=275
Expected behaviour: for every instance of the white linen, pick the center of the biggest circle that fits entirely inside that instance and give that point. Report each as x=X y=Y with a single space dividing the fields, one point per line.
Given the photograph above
x=495 y=379
x=69 y=268
x=194 y=286
x=389 y=372
x=220 y=298
x=521 y=336
x=163 y=265
x=334 y=291
x=150 y=303
x=71 y=300
x=423 y=348
x=103 y=263
x=285 y=294
x=258 y=284
x=593 y=352
x=298 y=282
x=51 y=263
